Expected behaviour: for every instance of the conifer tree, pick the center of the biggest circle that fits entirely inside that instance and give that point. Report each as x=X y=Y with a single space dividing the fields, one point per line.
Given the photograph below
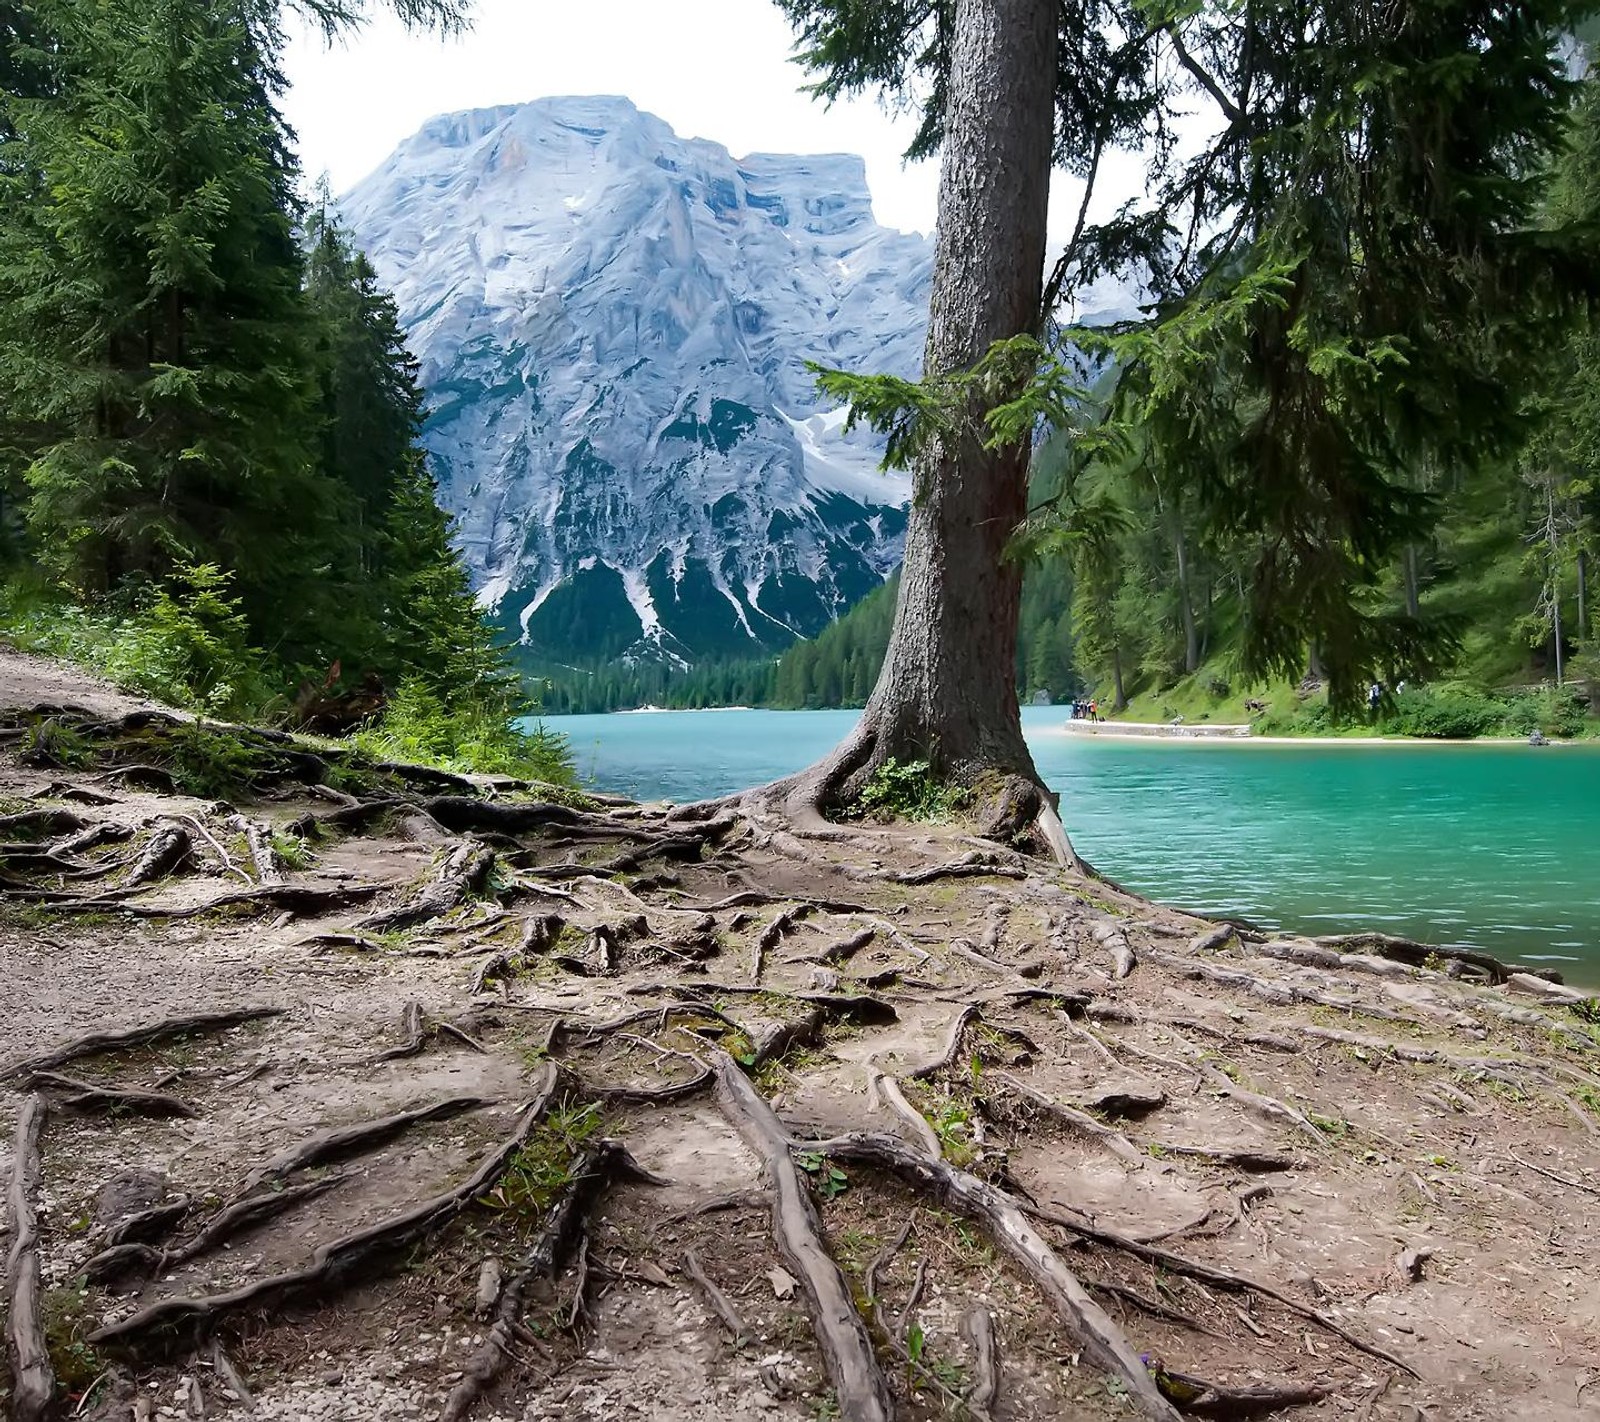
x=153 y=320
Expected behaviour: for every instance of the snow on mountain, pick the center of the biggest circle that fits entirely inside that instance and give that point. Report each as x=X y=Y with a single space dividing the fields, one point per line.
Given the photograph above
x=614 y=326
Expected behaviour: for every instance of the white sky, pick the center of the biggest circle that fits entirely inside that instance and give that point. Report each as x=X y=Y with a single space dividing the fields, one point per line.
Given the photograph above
x=716 y=69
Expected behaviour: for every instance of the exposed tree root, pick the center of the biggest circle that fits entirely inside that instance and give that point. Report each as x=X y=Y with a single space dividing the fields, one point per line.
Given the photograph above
x=1206 y=1399
x=1100 y=1338
x=334 y=1263
x=1567 y=1180
x=772 y=935
x=1113 y=1139
x=593 y=1172
x=977 y=1327
x=167 y=848
x=121 y=1260
x=1111 y=937
x=971 y=867
x=339 y=1141
x=33 y=1380
x=1267 y=1107
x=1416 y=955
x=1209 y=942
x=465 y=871
x=1266 y=1161
x=880 y=1085
x=863 y=1008
x=41 y=824
x=146 y=1225
x=259 y=841
x=1221 y=1278
x=298 y=900
x=95 y=1043
x=89 y=1096
x=852 y=1367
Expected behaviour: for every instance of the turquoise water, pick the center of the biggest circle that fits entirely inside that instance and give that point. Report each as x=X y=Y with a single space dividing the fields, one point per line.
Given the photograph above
x=1491 y=846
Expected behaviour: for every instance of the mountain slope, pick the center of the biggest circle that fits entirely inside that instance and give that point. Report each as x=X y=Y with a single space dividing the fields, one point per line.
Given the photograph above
x=614 y=326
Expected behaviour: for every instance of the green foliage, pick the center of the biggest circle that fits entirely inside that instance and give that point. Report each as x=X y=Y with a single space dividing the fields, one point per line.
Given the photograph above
x=908 y=790
x=190 y=647
x=481 y=737
x=54 y=746
x=209 y=763
x=830 y=1181
x=68 y=1320
x=185 y=643
x=542 y=1169
x=209 y=462
x=292 y=852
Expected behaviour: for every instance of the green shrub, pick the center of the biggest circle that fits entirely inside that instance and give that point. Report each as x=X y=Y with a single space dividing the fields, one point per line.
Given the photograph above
x=190 y=646
x=186 y=645
x=479 y=737
x=1446 y=712
x=908 y=790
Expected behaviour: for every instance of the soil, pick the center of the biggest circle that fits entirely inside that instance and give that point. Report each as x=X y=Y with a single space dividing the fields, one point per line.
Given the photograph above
x=1433 y=1140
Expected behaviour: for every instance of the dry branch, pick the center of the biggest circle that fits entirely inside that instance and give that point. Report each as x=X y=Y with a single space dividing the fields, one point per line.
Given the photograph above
x=33 y=1380
x=715 y=1299
x=852 y=1368
x=593 y=1171
x=1002 y=1216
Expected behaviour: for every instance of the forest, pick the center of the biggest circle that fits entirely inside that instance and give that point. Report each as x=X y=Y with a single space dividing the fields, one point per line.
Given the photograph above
x=211 y=482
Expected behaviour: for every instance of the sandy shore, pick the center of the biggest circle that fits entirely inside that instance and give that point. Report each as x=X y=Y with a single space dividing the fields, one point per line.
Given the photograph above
x=1225 y=734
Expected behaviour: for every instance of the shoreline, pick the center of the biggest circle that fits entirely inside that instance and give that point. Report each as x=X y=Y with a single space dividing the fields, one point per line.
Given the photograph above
x=1230 y=735
x=1210 y=733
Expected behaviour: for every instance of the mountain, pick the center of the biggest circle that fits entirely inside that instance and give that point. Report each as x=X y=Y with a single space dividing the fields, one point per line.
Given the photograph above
x=614 y=325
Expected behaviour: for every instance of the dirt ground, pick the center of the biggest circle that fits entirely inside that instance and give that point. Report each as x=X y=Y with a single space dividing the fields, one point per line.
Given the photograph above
x=1357 y=1173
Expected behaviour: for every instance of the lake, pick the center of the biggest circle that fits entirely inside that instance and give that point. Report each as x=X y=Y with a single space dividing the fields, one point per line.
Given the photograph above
x=1488 y=846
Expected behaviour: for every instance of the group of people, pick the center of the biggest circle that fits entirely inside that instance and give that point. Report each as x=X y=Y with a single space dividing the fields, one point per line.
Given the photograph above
x=1086 y=711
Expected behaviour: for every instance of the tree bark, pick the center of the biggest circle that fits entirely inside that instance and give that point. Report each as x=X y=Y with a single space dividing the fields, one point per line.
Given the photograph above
x=947 y=692
x=1583 y=595
x=1191 y=635
x=1413 y=582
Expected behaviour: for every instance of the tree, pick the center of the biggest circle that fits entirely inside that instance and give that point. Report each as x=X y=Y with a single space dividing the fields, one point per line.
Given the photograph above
x=152 y=311
x=1347 y=280
x=947 y=693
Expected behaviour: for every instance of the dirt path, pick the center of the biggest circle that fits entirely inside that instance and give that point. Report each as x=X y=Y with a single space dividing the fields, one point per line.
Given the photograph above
x=1028 y=1083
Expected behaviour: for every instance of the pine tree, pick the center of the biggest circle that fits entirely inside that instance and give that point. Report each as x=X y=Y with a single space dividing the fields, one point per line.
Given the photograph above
x=152 y=313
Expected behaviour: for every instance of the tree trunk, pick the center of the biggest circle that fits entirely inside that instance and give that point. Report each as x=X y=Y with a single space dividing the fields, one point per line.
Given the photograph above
x=1121 y=701
x=947 y=692
x=1191 y=635
x=1413 y=589
x=1583 y=595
